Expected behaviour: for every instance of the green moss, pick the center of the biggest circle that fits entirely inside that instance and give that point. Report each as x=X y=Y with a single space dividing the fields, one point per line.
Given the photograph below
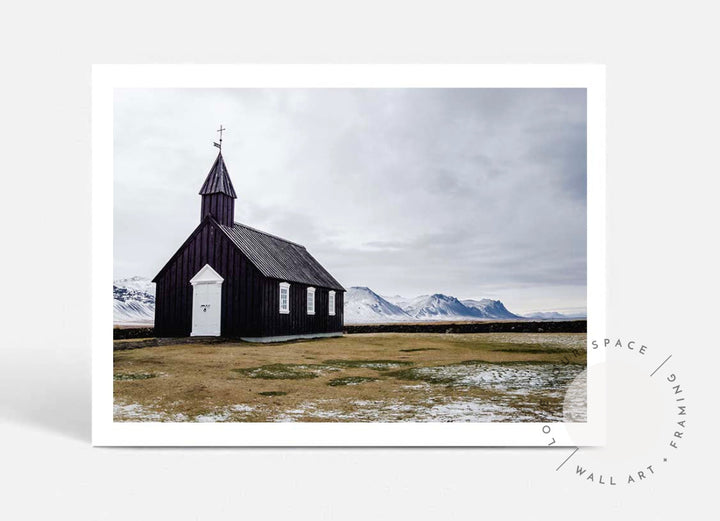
x=281 y=371
x=378 y=365
x=417 y=374
x=350 y=380
x=538 y=349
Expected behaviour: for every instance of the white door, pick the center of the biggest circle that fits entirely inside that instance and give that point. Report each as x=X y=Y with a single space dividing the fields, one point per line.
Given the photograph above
x=207 y=302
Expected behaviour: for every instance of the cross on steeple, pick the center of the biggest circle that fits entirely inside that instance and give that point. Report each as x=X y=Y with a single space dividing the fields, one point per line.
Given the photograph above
x=221 y=130
x=218 y=194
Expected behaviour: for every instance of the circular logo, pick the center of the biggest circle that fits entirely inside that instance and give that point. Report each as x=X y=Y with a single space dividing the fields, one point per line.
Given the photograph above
x=646 y=418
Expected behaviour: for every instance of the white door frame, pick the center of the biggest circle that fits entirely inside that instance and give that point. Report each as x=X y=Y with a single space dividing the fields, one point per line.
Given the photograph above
x=207 y=285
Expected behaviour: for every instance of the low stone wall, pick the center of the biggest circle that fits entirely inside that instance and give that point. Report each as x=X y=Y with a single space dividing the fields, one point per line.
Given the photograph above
x=146 y=335
x=120 y=345
x=564 y=326
x=133 y=332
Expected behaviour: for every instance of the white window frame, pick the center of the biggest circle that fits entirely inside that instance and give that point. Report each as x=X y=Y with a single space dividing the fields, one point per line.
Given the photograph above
x=284 y=286
x=310 y=310
x=331 y=303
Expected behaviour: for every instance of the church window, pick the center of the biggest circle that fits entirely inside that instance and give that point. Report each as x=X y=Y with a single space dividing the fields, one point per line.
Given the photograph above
x=311 y=301
x=284 y=297
x=331 y=303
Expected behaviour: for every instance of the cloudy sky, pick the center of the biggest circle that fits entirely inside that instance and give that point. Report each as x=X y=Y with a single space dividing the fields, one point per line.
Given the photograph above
x=468 y=192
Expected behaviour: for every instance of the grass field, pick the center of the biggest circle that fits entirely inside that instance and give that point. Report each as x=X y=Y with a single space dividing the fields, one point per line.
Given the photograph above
x=385 y=377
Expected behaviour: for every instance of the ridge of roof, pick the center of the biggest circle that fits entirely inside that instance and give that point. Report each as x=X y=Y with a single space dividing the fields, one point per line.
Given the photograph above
x=268 y=234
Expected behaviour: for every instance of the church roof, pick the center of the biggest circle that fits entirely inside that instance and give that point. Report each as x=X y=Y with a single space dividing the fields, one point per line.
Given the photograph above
x=279 y=258
x=218 y=180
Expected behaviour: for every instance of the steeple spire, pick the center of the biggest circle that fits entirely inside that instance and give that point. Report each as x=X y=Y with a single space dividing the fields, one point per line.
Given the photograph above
x=218 y=179
x=218 y=194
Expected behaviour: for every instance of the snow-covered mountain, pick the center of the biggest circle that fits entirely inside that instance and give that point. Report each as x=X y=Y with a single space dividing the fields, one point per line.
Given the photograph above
x=398 y=300
x=363 y=306
x=439 y=307
x=490 y=308
x=422 y=308
x=554 y=315
x=133 y=301
x=142 y=284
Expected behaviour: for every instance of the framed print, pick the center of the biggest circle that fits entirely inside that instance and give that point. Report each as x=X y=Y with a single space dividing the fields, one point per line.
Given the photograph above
x=348 y=255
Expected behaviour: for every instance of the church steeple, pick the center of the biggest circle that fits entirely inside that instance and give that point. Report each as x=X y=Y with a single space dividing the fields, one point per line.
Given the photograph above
x=218 y=194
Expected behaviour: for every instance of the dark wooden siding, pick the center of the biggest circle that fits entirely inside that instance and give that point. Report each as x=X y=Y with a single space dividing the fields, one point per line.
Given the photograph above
x=250 y=301
x=298 y=322
x=240 y=291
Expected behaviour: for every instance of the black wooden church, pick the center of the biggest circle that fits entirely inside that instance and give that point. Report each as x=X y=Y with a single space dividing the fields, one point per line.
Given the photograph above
x=228 y=279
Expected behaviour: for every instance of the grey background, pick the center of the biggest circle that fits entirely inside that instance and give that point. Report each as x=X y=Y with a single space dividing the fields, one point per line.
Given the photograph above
x=662 y=210
x=469 y=192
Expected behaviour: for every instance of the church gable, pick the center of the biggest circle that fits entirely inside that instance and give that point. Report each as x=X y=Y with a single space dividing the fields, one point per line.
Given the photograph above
x=189 y=242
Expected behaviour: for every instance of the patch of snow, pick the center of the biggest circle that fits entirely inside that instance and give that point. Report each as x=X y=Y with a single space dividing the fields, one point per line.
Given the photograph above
x=515 y=378
x=137 y=412
x=434 y=410
x=223 y=415
x=474 y=411
x=575 y=404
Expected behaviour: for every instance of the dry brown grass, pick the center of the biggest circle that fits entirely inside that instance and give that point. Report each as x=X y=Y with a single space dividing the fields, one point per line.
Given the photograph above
x=327 y=379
